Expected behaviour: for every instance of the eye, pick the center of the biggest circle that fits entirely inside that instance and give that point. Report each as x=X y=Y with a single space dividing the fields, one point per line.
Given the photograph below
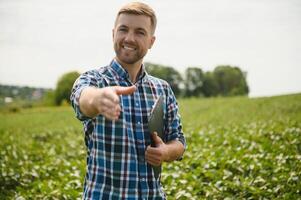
x=122 y=29
x=142 y=33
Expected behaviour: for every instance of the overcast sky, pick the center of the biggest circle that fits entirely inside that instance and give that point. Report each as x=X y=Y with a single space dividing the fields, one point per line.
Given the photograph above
x=41 y=40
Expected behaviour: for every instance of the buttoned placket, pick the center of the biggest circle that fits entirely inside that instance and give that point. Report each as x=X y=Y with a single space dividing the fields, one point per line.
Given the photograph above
x=142 y=168
x=140 y=141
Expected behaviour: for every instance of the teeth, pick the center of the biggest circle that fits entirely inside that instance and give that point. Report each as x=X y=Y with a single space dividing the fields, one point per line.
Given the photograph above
x=129 y=48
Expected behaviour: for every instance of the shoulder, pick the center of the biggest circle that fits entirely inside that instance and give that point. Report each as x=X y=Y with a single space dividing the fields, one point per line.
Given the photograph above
x=92 y=77
x=160 y=85
x=158 y=82
x=96 y=72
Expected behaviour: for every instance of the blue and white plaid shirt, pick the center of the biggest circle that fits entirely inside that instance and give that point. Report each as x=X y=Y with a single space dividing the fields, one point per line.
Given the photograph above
x=116 y=165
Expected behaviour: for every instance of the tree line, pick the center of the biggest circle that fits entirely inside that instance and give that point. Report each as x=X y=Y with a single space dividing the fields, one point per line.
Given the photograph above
x=224 y=80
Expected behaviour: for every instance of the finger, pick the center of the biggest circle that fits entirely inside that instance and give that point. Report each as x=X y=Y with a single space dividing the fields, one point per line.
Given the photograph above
x=108 y=103
x=114 y=109
x=124 y=90
x=109 y=116
x=102 y=109
x=110 y=113
x=113 y=113
x=118 y=108
x=156 y=139
x=150 y=158
x=154 y=158
x=117 y=113
x=154 y=162
x=110 y=94
x=152 y=150
x=108 y=109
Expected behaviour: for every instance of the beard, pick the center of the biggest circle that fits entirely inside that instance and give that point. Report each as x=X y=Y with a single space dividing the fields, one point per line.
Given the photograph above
x=128 y=56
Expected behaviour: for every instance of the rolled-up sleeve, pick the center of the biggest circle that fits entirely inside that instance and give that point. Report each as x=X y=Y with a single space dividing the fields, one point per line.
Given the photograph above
x=174 y=126
x=87 y=79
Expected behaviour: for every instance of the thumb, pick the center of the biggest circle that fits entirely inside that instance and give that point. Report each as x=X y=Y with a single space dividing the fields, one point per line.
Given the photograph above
x=124 y=90
x=157 y=140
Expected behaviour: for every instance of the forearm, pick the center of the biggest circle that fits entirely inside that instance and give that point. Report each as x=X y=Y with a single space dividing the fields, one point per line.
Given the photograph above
x=86 y=102
x=175 y=150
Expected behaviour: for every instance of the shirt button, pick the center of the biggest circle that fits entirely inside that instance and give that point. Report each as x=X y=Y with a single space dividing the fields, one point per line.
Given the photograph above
x=143 y=179
x=137 y=104
x=138 y=122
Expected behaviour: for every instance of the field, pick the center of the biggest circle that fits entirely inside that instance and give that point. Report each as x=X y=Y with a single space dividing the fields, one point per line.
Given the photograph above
x=238 y=148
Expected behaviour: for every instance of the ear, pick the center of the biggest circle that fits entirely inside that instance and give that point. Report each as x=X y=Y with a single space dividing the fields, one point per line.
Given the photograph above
x=152 y=41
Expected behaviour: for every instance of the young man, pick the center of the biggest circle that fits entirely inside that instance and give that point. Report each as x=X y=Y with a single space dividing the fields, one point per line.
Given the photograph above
x=114 y=103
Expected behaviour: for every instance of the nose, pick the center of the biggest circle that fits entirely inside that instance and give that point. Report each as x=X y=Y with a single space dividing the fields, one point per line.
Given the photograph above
x=130 y=37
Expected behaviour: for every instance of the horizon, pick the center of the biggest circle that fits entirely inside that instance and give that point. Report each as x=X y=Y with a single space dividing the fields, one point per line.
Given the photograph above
x=251 y=97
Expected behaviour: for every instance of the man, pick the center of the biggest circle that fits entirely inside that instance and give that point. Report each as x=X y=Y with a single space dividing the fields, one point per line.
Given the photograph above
x=114 y=103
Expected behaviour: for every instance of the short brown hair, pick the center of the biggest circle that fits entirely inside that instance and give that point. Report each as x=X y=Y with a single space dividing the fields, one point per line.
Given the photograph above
x=138 y=8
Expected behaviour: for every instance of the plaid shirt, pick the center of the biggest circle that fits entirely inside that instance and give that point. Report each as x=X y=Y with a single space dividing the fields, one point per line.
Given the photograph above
x=116 y=165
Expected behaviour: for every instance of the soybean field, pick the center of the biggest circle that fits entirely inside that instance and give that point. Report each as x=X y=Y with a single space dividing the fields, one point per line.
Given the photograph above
x=238 y=148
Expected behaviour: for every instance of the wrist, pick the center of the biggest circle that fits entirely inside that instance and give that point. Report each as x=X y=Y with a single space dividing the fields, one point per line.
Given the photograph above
x=167 y=157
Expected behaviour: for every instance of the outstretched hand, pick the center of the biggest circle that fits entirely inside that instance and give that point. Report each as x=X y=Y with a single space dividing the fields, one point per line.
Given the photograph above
x=106 y=100
x=158 y=154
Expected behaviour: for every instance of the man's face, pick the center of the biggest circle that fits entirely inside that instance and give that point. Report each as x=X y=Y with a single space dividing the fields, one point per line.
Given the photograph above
x=132 y=37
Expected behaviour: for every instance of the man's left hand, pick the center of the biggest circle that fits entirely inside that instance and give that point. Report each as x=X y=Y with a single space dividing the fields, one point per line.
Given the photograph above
x=158 y=154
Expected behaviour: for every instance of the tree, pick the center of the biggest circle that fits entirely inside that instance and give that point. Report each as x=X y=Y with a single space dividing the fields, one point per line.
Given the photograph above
x=231 y=81
x=64 y=86
x=169 y=74
x=194 y=82
x=49 y=98
x=210 y=86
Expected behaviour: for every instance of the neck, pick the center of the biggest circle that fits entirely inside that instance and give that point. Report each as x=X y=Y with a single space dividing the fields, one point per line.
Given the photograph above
x=132 y=69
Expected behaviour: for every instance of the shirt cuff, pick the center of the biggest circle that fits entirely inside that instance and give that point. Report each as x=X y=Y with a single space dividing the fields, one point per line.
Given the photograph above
x=79 y=114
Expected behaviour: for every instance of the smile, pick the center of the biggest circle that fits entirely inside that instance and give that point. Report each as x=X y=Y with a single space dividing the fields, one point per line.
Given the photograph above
x=129 y=48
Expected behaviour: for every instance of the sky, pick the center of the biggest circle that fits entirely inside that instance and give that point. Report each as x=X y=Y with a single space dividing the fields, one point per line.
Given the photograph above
x=41 y=40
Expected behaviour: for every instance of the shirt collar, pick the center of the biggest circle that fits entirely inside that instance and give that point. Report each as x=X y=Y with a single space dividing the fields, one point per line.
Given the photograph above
x=123 y=74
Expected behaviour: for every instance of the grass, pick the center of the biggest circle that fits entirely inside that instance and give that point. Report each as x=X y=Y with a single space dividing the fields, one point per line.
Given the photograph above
x=42 y=154
x=238 y=148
